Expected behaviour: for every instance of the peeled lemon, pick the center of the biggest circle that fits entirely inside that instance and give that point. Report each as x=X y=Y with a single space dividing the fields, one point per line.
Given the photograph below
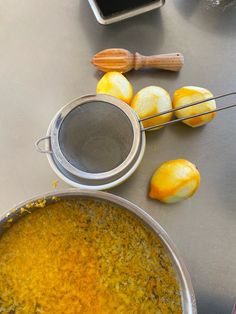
x=115 y=84
x=174 y=181
x=189 y=94
x=149 y=101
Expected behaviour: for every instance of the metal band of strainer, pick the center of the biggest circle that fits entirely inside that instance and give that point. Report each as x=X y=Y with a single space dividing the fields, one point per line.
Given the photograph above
x=61 y=115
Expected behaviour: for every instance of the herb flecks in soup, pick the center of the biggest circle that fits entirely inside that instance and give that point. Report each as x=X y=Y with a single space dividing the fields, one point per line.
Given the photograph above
x=85 y=257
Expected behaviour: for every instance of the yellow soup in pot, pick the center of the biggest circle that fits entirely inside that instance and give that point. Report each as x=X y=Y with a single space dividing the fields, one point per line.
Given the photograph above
x=85 y=257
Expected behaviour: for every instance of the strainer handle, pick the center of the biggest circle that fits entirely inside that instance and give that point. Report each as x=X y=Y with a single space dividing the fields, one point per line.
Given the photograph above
x=42 y=150
x=188 y=117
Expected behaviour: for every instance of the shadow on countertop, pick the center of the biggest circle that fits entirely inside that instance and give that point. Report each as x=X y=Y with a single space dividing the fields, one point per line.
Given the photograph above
x=211 y=304
x=210 y=16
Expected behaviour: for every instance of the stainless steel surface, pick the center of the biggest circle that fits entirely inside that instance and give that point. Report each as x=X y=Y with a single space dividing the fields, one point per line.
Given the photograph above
x=187 y=106
x=125 y=14
x=46 y=47
x=187 y=293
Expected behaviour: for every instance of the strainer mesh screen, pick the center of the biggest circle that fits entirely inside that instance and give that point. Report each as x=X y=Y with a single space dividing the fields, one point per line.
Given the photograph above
x=96 y=137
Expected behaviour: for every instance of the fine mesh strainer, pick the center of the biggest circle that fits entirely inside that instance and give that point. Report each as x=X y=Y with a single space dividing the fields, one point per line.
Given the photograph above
x=95 y=140
x=98 y=141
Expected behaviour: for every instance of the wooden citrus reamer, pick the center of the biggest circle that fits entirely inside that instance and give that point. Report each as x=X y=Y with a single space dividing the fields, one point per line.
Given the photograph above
x=122 y=60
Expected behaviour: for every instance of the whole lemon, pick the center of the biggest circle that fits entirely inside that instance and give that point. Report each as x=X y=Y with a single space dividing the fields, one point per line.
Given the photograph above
x=189 y=94
x=117 y=85
x=174 y=181
x=152 y=100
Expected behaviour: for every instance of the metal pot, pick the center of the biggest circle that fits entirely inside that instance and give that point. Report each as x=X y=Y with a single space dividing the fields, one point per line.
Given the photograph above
x=188 y=299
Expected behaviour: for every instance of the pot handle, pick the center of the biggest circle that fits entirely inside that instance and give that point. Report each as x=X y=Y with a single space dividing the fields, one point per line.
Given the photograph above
x=42 y=150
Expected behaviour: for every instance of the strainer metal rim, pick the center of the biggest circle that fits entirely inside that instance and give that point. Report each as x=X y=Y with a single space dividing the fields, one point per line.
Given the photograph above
x=62 y=114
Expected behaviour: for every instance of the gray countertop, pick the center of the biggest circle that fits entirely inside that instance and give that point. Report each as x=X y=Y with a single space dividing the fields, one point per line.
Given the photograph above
x=45 y=54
